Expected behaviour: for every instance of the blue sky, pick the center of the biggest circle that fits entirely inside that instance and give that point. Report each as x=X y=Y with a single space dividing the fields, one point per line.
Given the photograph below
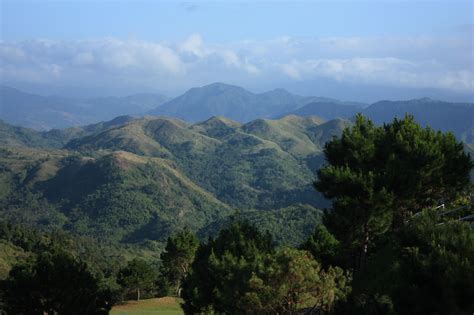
x=170 y=46
x=224 y=21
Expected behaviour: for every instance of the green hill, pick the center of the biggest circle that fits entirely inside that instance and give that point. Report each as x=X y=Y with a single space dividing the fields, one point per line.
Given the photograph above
x=132 y=180
x=262 y=164
x=56 y=138
x=119 y=196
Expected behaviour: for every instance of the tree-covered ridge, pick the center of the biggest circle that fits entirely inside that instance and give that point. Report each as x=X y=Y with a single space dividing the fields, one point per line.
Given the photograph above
x=117 y=196
x=243 y=165
x=133 y=180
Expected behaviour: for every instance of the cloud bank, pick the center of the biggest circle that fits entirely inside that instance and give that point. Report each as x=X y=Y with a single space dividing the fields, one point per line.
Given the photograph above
x=409 y=62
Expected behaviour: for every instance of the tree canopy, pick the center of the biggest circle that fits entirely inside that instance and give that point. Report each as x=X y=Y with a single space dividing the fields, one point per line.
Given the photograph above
x=55 y=282
x=177 y=258
x=291 y=280
x=137 y=275
x=377 y=177
x=221 y=271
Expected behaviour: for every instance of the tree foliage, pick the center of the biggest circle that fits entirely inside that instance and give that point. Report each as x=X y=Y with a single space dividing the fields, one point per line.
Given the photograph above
x=436 y=267
x=177 y=258
x=221 y=271
x=377 y=177
x=241 y=272
x=323 y=246
x=424 y=268
x=137 y=276
x=55 y=282
x=291 y=280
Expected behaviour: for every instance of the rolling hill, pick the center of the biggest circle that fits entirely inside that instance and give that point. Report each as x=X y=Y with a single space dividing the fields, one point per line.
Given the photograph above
x=137 y=180
x=245 y=166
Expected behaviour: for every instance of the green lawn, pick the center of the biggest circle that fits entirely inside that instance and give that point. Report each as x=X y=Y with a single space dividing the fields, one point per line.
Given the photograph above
x=161 y=306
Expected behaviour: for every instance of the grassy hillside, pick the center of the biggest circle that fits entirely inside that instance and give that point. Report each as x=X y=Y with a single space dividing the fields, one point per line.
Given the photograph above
x=18 y=136
x=138 y=180
x=14 y=136
x=118 y=196
x=262 y=164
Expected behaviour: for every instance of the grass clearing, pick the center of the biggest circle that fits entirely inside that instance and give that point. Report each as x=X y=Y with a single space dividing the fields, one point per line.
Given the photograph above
x=161 y=306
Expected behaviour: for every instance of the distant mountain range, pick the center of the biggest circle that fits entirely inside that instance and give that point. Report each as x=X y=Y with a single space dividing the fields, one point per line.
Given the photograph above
x=48 y=112
x=455 y=117
x=233 y=102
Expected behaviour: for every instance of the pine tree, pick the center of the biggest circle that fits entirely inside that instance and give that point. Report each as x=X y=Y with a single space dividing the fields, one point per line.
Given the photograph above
x=54 y=282
x=138 y=275
x=377 y=177
x=222 y=268
x=177 y=258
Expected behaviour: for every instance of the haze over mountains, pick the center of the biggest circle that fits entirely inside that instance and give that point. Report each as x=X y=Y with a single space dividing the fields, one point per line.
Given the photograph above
x=219 y=99
x=233 y=102
x=47 y=112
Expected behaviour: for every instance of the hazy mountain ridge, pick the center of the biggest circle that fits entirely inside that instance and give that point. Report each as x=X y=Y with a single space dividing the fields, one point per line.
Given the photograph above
x=224 y=100
x=230 y=101
x=327 y=110
x=234 y=102
x=445 y=116
x=55 y=112
x=455 y=117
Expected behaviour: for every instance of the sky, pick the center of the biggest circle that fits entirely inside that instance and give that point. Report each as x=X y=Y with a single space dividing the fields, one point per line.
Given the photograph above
x=359 y=50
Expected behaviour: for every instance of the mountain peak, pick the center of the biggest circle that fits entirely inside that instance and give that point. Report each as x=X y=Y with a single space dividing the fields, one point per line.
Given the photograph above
x=220 y=120
x=221 y=86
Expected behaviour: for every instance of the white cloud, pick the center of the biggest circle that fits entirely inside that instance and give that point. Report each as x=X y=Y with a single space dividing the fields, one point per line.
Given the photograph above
x=194 y=45
x=429 y=62
x=382 y=71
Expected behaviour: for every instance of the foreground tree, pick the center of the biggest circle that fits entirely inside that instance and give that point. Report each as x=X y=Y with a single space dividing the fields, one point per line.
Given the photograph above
x=378 y=177
x=138 y=275
x=54 y=283
x=176 y=259
x=220 y=274
x=427 y=267
x=323 y=246
x=436 y=267
x=291 y=281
